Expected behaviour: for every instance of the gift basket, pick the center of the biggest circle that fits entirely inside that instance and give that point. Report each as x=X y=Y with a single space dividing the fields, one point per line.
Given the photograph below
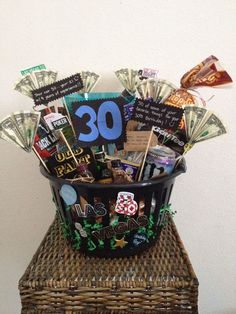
x=112 y=158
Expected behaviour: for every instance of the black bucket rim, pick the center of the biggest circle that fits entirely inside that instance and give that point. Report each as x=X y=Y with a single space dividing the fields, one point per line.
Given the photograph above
x=181 y=168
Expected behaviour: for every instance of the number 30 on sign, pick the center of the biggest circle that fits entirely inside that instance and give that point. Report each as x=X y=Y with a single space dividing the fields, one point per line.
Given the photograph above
x=98 y=122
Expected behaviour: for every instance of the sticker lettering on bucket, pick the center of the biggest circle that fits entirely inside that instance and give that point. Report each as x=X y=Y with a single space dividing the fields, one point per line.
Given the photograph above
x=110 y=231
x=88 y=210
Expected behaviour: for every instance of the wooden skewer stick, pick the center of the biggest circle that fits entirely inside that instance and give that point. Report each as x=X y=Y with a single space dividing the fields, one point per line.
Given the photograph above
x=39 y=157
x=145 y=155
x=67 y=144
x=68 y=115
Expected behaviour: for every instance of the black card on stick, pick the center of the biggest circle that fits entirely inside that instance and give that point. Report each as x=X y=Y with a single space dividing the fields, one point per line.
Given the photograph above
x=156 y=114
x=99 y=122
x=51 y=92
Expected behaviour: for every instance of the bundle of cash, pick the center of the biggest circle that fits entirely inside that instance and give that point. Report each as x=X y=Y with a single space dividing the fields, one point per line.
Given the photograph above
x=20 y=128
x=34 y=80
x=201 y=124
x=129 y=78
x=89 y=79
x=158 y=90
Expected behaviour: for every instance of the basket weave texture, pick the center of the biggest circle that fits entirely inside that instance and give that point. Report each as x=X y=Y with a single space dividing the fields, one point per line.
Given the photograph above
x=60 y=280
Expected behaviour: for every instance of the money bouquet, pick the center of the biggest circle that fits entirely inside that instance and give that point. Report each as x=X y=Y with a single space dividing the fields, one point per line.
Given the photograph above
x=112 y=158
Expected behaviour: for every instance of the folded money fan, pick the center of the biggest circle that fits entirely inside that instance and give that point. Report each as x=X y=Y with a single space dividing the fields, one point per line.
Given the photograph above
x=20 y=128
x=201 y=124
x=34 y=79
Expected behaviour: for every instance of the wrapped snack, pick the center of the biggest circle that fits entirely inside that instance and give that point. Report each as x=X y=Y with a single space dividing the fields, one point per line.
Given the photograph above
x=160 y=161
x=181 y=97
x=207 y=73
x=130 y=168
x=119 y=175
x=45 y=141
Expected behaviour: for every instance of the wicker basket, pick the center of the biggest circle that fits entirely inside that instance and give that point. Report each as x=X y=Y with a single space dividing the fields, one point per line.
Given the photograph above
x=62 y=280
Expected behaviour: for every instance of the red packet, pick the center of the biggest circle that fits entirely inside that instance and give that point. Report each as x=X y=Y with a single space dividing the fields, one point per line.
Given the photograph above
x=207 y=73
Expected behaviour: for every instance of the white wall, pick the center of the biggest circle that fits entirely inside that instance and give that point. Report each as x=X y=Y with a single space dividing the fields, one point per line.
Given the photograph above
x=103 y=36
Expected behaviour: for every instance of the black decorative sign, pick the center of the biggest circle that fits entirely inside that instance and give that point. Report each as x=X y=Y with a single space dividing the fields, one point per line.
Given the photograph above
x=51 y=92
x=98 y=122
x=156 y=114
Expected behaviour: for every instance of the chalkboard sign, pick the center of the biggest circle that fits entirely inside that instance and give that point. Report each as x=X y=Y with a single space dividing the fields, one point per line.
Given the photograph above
x=51 y=92
x=156 y=114
x=98 y=122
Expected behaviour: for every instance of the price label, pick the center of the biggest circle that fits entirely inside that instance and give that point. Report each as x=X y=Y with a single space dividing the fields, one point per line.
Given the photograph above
x=99 y=122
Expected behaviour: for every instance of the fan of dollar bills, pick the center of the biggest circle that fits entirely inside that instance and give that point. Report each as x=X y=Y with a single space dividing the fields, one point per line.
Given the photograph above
x=89 y=81
x=20 y=128
x=158 y=90
x=34 y=80
x=201 y=124
x=129 y=78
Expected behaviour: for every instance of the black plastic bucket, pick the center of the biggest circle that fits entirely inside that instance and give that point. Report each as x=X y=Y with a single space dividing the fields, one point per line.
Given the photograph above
x=112 y=220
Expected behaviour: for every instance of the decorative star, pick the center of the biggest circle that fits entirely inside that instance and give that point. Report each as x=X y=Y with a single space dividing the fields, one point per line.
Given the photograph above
x=120 y=243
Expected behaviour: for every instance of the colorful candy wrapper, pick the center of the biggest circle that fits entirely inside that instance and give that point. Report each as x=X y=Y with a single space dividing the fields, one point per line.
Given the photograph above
x=45 y=141
x=207 y=73
x=181 y=97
